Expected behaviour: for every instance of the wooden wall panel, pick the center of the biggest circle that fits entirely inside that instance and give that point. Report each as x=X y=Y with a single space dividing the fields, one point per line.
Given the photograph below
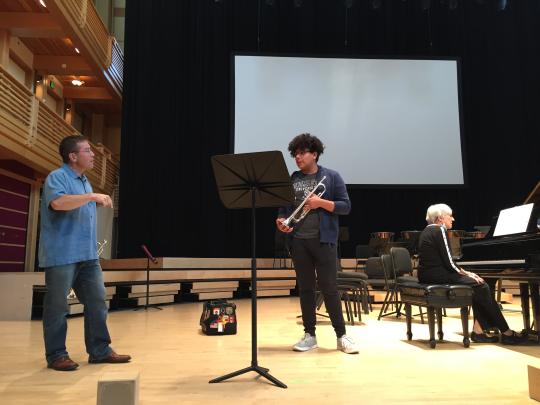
x=14 y=205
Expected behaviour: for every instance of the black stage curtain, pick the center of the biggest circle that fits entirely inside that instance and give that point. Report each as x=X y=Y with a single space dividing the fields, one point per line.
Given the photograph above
x=176 y=111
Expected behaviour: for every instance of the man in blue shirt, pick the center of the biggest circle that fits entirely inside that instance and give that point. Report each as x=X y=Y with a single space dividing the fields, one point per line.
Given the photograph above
x=314 y=239
x=68 y=253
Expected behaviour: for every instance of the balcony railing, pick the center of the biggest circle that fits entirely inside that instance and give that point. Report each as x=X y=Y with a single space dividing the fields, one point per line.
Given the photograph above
x=32 y=130
x=84 y=19
x=116 y=69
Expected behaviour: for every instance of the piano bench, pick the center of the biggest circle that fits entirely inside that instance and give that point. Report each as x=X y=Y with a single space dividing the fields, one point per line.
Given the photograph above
x=435 y=297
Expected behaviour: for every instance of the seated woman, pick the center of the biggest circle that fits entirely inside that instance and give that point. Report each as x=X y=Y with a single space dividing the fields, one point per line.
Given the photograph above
x=436 y=266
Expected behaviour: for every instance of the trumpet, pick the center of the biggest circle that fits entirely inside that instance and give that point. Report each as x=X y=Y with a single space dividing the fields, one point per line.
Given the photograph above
x=293 y=219
x=101 y=246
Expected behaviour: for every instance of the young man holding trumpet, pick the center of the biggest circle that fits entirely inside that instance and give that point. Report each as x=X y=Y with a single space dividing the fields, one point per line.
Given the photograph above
x=320 y=196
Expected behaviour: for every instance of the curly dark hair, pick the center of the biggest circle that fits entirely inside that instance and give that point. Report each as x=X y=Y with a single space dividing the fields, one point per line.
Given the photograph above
x=306 y=142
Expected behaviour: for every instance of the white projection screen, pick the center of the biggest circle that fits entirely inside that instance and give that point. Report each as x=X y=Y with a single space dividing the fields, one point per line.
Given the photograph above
x=384 y=122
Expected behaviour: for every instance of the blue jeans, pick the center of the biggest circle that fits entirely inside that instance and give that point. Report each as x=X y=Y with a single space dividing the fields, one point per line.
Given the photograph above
x=87 y=281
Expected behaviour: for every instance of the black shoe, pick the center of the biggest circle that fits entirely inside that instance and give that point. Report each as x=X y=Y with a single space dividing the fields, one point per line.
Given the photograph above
x=514 y=339
x=483 y=338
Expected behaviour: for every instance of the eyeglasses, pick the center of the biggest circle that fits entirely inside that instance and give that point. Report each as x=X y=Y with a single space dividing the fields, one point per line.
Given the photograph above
x=86 y=150
x=301 y=152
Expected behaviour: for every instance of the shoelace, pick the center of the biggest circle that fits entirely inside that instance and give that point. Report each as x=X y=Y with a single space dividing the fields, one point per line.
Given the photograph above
x=346 y=341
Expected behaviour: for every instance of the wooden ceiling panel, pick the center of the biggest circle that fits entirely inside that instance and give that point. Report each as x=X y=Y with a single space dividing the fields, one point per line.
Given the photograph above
x=50 y=46
x=87 y=93
x=62 y=65
x=22 y=5
x=30 y=25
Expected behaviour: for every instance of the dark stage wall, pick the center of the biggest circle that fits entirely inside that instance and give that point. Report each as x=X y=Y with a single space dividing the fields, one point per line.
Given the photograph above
x=177 y=110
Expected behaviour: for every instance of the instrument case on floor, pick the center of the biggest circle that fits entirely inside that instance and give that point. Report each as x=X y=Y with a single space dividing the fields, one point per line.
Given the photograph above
x=218 y=318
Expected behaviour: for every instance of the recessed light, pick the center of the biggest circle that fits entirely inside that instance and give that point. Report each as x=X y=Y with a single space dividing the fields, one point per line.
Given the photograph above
x=42 y=3
x=77 y=50
x=77 y=82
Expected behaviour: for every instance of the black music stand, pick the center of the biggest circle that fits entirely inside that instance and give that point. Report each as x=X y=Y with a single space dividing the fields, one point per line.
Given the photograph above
x=252 y=180
x=149 y=258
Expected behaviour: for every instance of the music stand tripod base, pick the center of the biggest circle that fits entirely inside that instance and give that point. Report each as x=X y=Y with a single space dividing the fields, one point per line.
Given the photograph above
x=262 y=371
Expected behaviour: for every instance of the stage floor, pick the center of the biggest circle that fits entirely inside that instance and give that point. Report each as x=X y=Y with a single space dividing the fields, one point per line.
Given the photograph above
x=176 y=361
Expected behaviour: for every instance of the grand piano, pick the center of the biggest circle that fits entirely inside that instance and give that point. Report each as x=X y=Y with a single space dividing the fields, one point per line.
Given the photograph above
x=511 y=251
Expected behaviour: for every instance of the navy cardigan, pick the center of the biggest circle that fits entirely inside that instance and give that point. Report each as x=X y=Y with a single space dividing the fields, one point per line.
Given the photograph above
x=336 y=191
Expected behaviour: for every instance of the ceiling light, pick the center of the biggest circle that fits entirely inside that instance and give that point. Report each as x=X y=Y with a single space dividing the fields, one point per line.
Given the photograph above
x=77 y=82
x=77 y=50
x=42 y=3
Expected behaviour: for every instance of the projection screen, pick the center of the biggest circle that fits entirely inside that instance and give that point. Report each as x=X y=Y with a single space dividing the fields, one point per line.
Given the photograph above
x=384 y=122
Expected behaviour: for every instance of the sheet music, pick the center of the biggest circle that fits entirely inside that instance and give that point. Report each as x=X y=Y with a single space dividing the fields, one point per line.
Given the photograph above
x=513 y=220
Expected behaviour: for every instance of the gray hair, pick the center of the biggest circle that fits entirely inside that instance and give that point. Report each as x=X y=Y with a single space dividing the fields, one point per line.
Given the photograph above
x=435 y=211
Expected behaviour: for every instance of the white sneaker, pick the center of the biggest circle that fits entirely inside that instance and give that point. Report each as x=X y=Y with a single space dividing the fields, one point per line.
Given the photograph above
x=347 y=345
x=307 y=342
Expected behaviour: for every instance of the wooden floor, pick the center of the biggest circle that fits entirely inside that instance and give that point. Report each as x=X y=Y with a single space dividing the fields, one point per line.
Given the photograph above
x=176 y=361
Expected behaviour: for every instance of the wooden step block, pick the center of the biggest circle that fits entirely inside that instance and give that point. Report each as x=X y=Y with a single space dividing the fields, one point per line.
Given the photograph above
x=152 y=293
x=202 y=290
x=141 y=288
x=507 y=297
x=215 y=295
x=276 y=283
x=377 y=296
x=110 y=290
x=160 y=299
x=268 y=288
x=534 y=382
x=75 y=300
x=75 y=309
x=116 y=388
x=224 y=285
x=273 y=293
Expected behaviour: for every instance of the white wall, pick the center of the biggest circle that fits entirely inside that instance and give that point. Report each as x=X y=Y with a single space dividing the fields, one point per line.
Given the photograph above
x=105 y=229
x=16 y=71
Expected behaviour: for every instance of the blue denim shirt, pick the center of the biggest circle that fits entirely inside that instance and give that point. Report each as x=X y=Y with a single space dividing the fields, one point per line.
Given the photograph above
x=335 y=191
x=66 y=236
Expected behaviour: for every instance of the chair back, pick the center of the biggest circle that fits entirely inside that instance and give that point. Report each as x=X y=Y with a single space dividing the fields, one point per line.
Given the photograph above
x=374 y=268
x=388 y=267
x=362 y=252
x=401 y=261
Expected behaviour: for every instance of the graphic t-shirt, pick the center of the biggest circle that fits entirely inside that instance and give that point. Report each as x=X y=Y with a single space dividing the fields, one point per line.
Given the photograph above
x=308 y=228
